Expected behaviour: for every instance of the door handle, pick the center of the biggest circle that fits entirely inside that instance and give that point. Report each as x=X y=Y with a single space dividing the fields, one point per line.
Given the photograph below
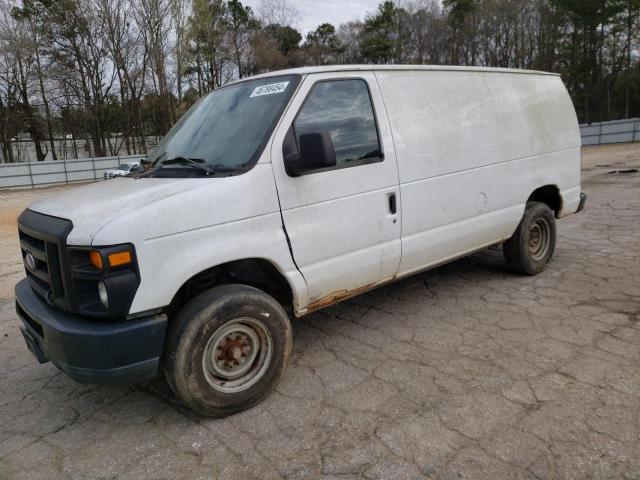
x=392 y=204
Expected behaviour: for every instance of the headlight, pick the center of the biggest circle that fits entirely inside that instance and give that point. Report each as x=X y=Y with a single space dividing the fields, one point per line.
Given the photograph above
x=104 y=279
x=102 y=294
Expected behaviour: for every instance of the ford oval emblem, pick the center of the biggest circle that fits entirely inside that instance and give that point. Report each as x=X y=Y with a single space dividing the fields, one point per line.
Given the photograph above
x=30 y=261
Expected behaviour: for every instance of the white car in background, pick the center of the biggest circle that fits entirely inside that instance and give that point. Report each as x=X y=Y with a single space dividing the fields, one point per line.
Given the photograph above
x=123 y=170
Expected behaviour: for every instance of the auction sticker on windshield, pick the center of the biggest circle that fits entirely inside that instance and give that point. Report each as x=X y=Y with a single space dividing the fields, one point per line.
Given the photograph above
x=269 y=89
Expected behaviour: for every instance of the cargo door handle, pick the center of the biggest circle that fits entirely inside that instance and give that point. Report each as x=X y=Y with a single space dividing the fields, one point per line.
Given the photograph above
x=392 y=204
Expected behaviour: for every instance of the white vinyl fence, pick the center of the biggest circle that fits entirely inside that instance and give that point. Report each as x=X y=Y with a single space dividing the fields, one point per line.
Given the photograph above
x=58 y=172
x=615 y=131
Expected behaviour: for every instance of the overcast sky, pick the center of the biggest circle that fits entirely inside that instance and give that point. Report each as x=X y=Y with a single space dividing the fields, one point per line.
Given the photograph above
x=314 y=12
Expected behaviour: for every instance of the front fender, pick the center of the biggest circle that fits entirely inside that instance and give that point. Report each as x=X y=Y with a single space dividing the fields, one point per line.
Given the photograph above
x=167 y=262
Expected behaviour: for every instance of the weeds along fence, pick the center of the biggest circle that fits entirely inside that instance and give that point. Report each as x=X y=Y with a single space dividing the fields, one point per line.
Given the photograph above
x=58 y=172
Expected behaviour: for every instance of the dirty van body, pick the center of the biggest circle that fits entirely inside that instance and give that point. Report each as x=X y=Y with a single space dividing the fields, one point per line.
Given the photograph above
x=284 y=193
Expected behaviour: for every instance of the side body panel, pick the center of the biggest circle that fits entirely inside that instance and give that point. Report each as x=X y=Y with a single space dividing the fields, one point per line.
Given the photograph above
x=471 y=148
x=343 y=236
x=463 y=152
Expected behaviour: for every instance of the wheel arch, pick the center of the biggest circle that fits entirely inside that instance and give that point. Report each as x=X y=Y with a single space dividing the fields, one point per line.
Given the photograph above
x=256 y=272
x=549 y=195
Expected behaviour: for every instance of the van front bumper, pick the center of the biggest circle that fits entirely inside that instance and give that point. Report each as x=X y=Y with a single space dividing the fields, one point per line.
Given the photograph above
x=89 y=350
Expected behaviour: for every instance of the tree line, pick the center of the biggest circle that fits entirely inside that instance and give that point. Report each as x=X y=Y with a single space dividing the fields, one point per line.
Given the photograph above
x=111 y=74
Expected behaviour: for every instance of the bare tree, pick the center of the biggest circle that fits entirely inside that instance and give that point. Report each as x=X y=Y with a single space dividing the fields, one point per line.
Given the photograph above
x=127 y=51
x=79 y=49
x=349 y=37
x=7 y=92
x=277 y=12
x=154 y=21
x=19 y=54
x=180 y=15
x=36 y=24
x=106 y=75
x=631 y=19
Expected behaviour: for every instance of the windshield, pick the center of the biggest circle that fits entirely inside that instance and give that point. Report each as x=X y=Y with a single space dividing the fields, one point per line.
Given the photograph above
x=124 y=166
x=227 y=129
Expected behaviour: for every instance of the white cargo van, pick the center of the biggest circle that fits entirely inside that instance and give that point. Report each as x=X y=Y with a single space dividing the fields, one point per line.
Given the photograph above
x=282 y=194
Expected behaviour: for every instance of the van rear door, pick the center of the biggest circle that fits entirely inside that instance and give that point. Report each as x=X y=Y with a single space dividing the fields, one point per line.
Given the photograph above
x=343 y=221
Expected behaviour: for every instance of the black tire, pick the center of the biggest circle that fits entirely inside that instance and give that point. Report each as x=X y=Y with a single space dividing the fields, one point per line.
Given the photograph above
x=198 y=348
x=532 y=245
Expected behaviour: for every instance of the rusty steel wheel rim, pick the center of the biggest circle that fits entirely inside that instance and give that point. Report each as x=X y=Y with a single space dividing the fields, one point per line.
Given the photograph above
x=539 y=239
x=237 y=355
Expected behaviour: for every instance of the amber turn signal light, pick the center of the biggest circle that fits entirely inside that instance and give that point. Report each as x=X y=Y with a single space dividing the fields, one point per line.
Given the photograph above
x=95 y=258
x=119 y=258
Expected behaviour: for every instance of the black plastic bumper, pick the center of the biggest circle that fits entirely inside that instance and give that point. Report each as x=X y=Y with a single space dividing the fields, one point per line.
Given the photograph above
x=583 y=200
x=89 y=350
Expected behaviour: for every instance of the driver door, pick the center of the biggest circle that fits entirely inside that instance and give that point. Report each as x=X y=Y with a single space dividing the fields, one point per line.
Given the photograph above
x=343 y=222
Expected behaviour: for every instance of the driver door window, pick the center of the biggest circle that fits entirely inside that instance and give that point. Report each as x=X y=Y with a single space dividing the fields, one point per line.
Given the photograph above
x=343 y=109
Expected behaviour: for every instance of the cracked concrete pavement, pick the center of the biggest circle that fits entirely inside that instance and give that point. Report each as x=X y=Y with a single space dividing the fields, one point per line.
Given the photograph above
x=465 y=371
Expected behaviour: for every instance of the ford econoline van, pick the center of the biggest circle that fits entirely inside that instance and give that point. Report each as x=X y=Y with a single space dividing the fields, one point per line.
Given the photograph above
x=282 y=194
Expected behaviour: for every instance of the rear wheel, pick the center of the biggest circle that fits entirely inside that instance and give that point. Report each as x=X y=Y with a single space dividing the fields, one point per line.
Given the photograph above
x=227 y=349
x=532 y=245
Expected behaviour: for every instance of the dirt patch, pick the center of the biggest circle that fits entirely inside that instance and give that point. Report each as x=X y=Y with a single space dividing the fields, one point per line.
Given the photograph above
x=13 y=202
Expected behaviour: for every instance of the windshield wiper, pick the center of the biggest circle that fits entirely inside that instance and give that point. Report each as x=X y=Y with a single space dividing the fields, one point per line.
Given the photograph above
x=220 y=167
x=192 y=162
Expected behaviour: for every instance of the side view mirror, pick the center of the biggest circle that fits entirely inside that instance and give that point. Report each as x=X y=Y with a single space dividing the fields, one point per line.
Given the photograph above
x=316 y=152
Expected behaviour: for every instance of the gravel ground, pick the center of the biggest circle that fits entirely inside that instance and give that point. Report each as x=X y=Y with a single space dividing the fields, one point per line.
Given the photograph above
x=465 y=371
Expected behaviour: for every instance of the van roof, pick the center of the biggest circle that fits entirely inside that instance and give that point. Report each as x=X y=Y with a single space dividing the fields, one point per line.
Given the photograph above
x=429 y=68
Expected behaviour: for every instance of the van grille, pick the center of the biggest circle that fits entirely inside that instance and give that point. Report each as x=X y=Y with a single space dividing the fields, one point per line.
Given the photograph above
x=45 y=277
x=42 y=241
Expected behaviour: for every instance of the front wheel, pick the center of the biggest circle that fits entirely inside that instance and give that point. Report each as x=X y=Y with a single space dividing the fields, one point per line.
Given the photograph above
x=531 y=247
x=227 y=349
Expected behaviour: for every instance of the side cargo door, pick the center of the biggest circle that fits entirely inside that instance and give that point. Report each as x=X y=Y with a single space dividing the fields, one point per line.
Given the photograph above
x=343 y=222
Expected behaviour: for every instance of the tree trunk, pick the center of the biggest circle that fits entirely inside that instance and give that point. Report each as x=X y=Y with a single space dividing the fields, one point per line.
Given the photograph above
x=627 y=86
x=47 y=110
x=34 y=127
